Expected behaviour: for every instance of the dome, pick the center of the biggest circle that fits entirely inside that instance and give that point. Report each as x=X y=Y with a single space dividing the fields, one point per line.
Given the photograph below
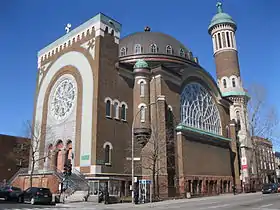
x=141 y=64
x=221 y=17
x=148 y=42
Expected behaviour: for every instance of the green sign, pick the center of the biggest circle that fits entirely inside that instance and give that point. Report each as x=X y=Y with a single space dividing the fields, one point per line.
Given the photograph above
x=85 y=157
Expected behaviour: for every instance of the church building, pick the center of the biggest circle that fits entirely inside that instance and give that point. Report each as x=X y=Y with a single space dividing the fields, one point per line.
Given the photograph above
x=140 y=107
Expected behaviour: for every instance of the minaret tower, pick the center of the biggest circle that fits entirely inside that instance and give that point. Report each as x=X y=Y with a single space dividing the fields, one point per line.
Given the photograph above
x=222 y=30
x=141 y=98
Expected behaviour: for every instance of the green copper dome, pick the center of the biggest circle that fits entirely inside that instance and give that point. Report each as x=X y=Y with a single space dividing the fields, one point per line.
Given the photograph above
x=141 y=64
x=221 y=17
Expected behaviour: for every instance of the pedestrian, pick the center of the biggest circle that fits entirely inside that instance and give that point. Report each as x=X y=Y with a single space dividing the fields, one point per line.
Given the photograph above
x=234 y=189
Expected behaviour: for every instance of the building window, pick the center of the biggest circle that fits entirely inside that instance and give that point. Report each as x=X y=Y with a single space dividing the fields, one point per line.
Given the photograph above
x=107 y=154
x=224 y=39
x=108 y=108
x=116 y=109
x=225 y=83
x=216 y=43
x=123 y=112
x=199 y=109
x=123 y=51
x=233 y=82
x=137 y=49
x=169 y=50
x=154 y=48
x=142 y=88
x=228 y=40
x=182 y=53
x=142 y=113
x=220 y=41
x=232 y=40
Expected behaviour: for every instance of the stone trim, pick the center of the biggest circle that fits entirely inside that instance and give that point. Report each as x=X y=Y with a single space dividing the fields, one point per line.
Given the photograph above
x=75 y=73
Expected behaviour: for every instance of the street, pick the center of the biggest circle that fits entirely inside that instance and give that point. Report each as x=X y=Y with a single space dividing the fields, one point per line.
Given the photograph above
x=223 y=202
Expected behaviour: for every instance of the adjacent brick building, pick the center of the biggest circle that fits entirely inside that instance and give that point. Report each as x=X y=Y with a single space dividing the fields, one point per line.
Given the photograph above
x=265 y=160
x=14 y=154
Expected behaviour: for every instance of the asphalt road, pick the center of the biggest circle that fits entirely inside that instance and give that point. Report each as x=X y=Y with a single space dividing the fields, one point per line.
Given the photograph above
x=226 y=202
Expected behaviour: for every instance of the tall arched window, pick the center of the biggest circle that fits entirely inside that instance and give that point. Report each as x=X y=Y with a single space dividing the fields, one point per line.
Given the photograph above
x=142 y=88
x=169 y=50
x=116 y=110
x=123 y=51
x=123 y=112
x=108 y=108
x=233 y=82
x=154 y=48
x=142 y=113
x=199 y=110
x=225 y=83
x=107 y=154
x=137 y=49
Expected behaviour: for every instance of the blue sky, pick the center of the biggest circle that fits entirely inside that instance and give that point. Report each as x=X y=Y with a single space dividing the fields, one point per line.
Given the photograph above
x=27 y=26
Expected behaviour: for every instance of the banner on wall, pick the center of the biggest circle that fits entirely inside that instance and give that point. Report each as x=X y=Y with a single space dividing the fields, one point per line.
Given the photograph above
x=85 y=160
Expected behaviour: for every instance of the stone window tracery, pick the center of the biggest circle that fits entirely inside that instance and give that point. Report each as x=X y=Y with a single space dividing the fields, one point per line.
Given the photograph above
x=123 y=51
x=137 y=49
x=154 y=48
x=169 y=50
x=182 y=52
x=199 y=110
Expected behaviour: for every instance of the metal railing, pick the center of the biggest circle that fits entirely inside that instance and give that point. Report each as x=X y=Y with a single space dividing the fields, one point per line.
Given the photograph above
x=19 y=172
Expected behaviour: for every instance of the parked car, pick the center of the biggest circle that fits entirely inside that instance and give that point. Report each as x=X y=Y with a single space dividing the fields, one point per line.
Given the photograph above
x=36 y=195
x=10 y=192
x=269 y=188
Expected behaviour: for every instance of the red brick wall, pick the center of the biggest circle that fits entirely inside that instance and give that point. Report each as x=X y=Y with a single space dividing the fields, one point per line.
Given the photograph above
x=48 y=181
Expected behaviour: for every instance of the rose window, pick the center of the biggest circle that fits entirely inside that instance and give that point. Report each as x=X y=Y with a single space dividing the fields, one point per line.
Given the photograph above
x=63 y=99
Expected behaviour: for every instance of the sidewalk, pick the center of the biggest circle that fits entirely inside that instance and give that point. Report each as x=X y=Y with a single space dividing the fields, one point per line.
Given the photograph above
x=155 y=204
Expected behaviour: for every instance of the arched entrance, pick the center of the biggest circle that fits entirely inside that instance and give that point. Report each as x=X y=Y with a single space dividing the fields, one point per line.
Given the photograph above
x=59 y=155
x=68 y=154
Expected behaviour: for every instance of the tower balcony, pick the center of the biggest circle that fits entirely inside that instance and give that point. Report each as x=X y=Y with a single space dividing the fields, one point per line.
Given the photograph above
x=142 y=135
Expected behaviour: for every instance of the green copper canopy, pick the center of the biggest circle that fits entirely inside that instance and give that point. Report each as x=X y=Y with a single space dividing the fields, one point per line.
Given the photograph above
x=141 y=64
x=221 y=17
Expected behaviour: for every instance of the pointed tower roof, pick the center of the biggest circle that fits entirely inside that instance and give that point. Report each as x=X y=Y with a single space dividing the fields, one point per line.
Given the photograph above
x=221 y=17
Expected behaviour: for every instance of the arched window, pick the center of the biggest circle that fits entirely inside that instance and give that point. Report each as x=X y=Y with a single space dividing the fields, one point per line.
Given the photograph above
x=108 y=108
x=169 y=50
x=137 y=49
x=225 y=83
x=116 y=110
x=199 y=110
x=233 y=82
x=154 y=48
x=123 y=51
x=123 y=112
x=107 y=154
x=142 y=114
x=142 y=88
x=182 y=53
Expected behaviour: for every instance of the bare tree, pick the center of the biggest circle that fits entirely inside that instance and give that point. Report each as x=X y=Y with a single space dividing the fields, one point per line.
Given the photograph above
x=157 y=156
x=35 y=133
x=262 y=120
x=262 y=117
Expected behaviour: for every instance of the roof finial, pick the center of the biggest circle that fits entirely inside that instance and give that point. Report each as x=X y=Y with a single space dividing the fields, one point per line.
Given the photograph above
x=219 y=7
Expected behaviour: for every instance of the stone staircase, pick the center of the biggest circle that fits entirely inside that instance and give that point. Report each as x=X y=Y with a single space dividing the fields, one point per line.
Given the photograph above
x=78 y=188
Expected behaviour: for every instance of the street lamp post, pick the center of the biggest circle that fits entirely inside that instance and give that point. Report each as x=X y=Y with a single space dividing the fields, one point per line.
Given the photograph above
x=132 y=150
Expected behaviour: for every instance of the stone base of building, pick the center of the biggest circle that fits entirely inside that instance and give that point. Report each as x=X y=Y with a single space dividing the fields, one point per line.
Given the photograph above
x=50 y=181
x=205 y=185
